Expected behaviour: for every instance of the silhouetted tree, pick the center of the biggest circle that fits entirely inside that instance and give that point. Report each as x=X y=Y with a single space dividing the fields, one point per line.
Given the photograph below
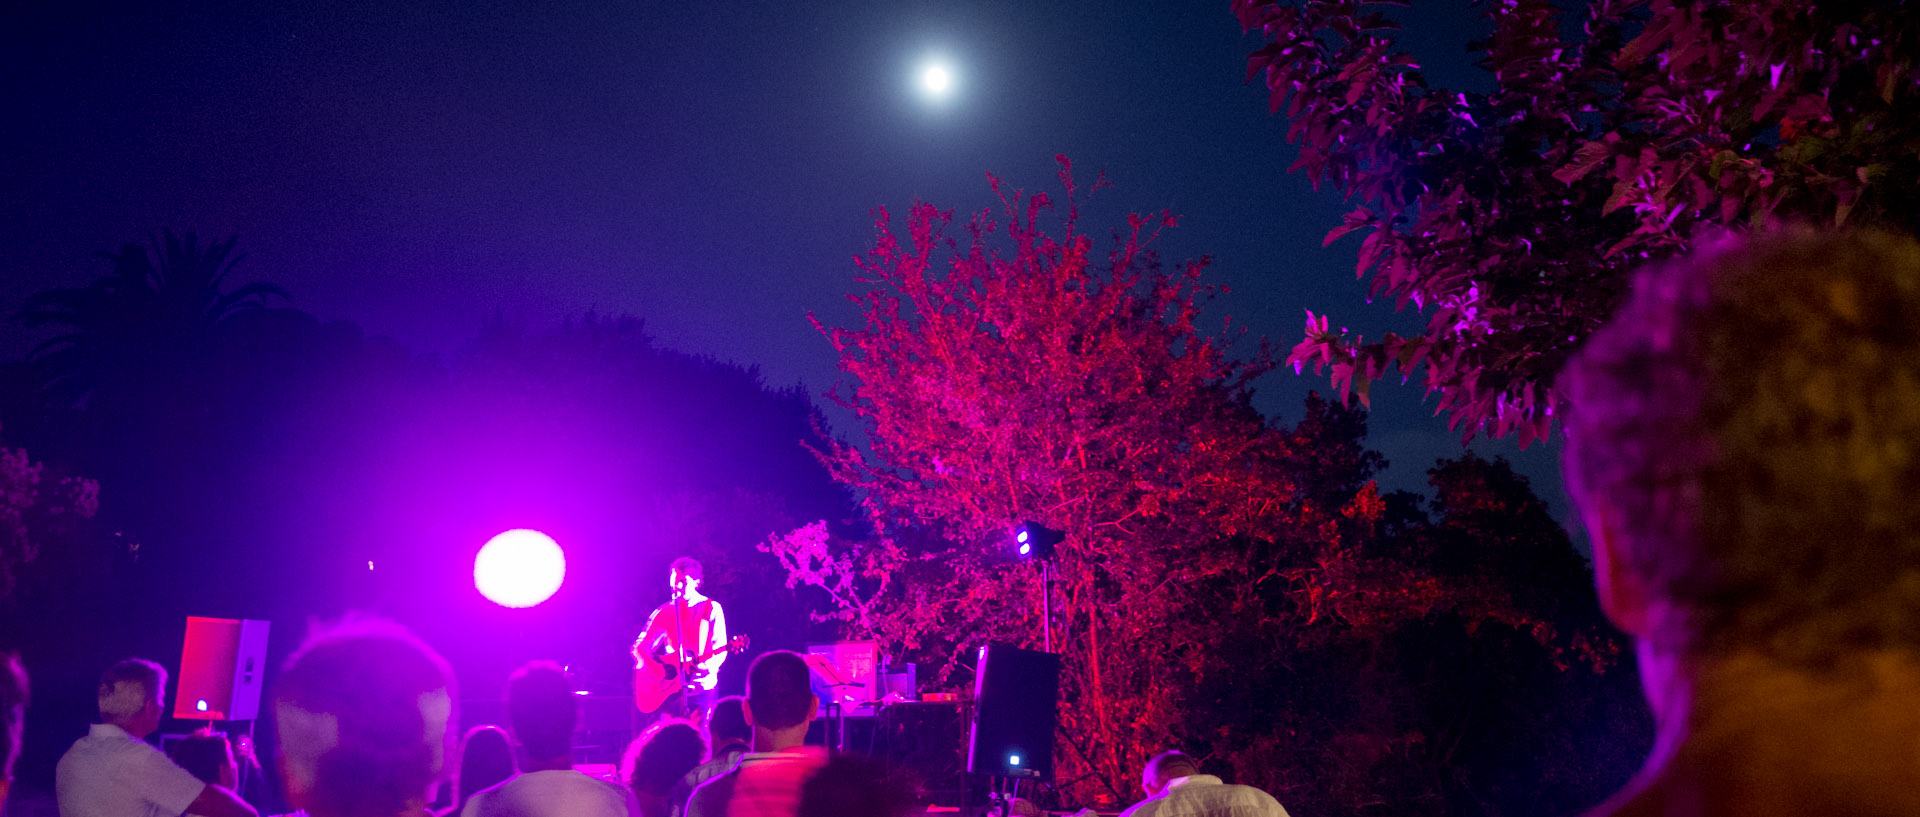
x=273 y=465
x=651 y=452
x=157 y=306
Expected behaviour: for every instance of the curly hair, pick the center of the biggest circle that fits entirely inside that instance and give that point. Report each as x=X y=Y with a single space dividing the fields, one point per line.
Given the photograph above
x=661 y=756
x=1752 y=415
x=364 y=709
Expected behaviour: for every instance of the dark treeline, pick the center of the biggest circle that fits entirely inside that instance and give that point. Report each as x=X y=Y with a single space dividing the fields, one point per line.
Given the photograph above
x=255 y=461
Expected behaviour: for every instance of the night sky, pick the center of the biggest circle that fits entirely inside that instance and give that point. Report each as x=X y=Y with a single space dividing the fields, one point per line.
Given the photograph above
x=712 y=168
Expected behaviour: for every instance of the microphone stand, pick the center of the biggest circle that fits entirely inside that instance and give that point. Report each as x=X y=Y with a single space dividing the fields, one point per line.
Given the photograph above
x=680 y=648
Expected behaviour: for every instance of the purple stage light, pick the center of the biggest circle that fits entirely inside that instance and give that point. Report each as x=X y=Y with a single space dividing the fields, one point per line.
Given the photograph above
x=519 y=568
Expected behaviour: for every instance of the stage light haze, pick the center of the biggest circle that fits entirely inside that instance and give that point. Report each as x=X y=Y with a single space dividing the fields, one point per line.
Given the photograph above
x=519 y=568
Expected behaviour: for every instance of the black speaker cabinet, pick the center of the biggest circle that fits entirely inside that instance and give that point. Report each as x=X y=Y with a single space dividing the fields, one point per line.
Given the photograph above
x=1015 y=692
x=929 y=740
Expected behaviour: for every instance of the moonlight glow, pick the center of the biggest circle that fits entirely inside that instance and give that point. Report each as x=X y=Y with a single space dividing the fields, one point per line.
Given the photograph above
x=936 y=80
x=519 y=568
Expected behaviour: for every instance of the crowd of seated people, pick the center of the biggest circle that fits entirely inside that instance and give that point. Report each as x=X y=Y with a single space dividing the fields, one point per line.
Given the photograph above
x=1745 y=451
x=364 y=712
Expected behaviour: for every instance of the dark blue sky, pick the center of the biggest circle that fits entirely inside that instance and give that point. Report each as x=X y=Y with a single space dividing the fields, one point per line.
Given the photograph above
x=416 y=167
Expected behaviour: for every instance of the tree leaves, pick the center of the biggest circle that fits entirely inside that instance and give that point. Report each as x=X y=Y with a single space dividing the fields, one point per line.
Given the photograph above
x=1661 y=121
x=1213 y=557
x=36 y=508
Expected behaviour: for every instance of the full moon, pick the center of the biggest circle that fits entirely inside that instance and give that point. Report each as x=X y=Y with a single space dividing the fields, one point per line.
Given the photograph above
x=936 y=79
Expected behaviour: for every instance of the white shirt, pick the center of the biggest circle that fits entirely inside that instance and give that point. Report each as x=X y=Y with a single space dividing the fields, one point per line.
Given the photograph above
x=1203 y=795
x=705 y=630
x=552 y=794
x=110 y=773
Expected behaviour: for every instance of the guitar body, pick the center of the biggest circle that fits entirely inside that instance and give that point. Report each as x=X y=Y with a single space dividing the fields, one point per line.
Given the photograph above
x=653 y=683
x=655 y=678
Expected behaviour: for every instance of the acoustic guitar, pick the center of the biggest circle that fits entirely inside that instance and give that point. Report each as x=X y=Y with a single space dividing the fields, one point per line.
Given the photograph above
x=656 y=678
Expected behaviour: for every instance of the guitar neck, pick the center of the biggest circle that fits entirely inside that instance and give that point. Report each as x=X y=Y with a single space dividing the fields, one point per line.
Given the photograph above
x=701 y=658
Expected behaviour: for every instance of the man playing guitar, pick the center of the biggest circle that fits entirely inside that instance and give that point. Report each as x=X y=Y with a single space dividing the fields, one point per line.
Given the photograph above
x=682 y=648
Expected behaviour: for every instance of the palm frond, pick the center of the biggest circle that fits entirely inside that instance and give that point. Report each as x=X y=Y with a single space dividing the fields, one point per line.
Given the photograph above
x=162 y=298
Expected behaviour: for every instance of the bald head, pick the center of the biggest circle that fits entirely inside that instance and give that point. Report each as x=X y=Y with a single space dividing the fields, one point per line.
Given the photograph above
x=133 y=696
x=1165 y=767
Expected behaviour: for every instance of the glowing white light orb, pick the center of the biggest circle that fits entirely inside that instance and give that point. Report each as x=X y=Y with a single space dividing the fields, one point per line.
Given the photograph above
x=936 y=79
x=519 y=568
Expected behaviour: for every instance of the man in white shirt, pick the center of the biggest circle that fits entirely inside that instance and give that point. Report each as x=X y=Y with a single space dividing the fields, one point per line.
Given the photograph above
x=112 y=772
x=767 y=781
x=542 y=711
x=691 y=629
x=1176 y=788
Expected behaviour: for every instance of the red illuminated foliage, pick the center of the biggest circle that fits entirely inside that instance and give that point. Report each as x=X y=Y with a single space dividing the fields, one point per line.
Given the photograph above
x=1511 y=217
x=1228 y=585
x=36 y=507
x=1018 y=375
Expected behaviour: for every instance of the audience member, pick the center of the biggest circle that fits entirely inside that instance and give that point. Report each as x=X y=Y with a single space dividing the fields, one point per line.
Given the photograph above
x=1744 y=449
x=256 y=787
x=486 y=760
x=542 y=711
x=113 y=772
x=1175 y=787
x=656 y=765
x=207 y=755
x=857 y=786
x=363 y=710
x=729 y=736
x=767 y=781
x=13 y=715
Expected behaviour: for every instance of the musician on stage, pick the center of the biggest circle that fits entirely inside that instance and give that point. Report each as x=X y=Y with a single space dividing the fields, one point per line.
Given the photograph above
x=686 y=629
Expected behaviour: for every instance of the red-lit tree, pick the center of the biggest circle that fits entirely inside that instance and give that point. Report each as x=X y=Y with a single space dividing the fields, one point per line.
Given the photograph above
x=1217 y=566
x=1511 y=217
x=1021 y=375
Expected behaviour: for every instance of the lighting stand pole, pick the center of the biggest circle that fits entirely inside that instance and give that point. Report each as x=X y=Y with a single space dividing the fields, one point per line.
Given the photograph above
x=1046 y=602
